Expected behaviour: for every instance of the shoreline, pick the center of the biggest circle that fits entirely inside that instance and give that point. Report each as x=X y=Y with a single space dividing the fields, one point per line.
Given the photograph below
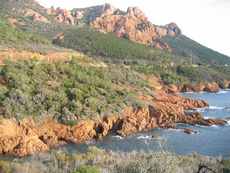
x=163 y=111
x=210 y=87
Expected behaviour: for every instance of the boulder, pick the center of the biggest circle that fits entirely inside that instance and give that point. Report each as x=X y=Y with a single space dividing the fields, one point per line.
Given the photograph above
x=189 y=131
x=84 y=131
x=19 y=139
x=212 y=87
x=136 y=120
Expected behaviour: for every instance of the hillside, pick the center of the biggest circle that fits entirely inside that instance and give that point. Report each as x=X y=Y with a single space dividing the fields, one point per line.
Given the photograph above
x=131 y=24
x=77 y=76
x=31 y=27
x=10 y=35
x=198 y=53
x=172 y=68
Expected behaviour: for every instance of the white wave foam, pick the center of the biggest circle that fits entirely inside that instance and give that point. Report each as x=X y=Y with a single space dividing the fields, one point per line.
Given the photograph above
x=228 y=122
x=188 y=92
x=200 y=109
x=144 y=137
x=215 y=108
x=215 y=126
x=176 y=130
x=202 y=92
x=222 y=92
x=117 y=136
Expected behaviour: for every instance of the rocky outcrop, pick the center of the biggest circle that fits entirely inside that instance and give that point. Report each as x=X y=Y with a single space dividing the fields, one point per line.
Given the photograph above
x=189 y=131
x=36 y=17
x=63 y=16
x=208 y=87
x=134 y=25
x=136 y=120
x=19 y=139
x=212 y=87
x=131 y=24
x=162 y=111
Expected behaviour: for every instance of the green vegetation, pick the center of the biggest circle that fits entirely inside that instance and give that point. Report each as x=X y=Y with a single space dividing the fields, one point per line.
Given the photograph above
x=96 y=160
x=65 y=90
x=87 y=169
x=114 y=49
x=5 y=167
x=172 y=69
x=10 y=35
x=198 y=53
x=226 y=166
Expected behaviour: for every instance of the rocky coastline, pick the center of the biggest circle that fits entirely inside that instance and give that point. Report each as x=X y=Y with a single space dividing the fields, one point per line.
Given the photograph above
x=163 y=110
x=211 y=87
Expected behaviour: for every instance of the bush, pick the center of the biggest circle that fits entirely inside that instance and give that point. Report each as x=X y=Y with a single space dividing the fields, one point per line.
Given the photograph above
x=113 y=49
x=87 y=169
x=65 y=90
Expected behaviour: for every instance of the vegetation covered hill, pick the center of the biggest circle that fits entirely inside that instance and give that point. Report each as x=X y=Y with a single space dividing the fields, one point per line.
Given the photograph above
x=14 y=36
x=66 y=90
x=198 y=53
x=17 y=8
x=172 y=68
x=37 y=87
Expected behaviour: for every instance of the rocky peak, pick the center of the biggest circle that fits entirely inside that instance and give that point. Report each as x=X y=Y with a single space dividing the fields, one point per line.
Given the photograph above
x=107 y=9
x=173 y=29
x=62 y=15
x=36 y=17
x=136 y=12
x=134 y=25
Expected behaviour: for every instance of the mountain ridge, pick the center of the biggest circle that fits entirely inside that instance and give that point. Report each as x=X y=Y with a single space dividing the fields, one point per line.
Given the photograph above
x=132 y=25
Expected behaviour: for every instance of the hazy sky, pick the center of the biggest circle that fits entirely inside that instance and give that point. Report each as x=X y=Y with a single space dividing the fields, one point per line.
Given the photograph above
x=206 y=21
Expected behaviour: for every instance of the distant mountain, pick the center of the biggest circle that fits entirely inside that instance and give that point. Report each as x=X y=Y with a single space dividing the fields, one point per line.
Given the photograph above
x=132 y=25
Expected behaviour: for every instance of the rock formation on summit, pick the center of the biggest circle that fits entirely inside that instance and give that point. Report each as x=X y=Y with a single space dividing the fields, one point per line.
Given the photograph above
x=132 y=24
x=135 y=26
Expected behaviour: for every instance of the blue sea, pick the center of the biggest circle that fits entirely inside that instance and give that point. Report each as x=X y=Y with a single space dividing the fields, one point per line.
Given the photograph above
x=211 y=141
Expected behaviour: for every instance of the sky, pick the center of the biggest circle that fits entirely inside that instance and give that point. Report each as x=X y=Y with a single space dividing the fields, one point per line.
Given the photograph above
x=205 y=21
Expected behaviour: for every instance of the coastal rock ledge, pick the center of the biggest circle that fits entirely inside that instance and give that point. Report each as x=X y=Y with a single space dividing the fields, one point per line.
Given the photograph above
x=25 y=137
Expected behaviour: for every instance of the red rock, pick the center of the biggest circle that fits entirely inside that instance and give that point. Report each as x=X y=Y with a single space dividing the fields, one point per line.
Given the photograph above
x=136 y=120
x=212 y=87
x=172 y=89
x=163 y=110
x=36 y=17
x=84 y=131
x=189 y=131
x=19 y=139
x=135 y=26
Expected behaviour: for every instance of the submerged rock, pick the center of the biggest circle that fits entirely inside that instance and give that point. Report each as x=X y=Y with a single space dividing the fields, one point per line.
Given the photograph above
x=189 y=131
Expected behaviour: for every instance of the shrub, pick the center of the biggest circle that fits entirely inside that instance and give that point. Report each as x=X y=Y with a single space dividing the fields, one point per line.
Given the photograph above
x=87 y=169
x=65 y=90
